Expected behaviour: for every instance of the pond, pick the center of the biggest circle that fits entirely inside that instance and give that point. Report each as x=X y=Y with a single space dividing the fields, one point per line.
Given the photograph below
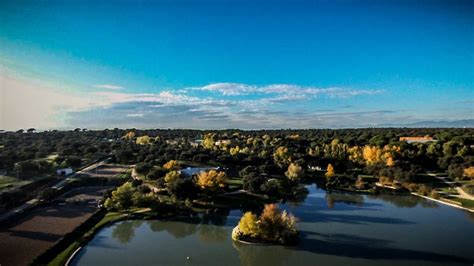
x=336 y=228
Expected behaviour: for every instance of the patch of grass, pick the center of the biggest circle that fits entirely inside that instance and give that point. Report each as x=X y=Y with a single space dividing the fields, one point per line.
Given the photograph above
x=127 y=174
x=10 y=182
x=448 y=190
x=464 y=202
x=234 y=183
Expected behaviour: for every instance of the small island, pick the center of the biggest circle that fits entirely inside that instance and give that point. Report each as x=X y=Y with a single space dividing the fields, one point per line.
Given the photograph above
x=272 y=227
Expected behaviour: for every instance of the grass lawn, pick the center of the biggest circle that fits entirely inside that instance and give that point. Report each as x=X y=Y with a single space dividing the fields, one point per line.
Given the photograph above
x=234 y=183
x=11 y=182
x=464 y=202
x=367 y=177
x=125 y=175
x=448 y=190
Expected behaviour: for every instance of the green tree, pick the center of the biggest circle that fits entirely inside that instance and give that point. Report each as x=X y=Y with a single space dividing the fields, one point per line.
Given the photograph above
x=122 y=197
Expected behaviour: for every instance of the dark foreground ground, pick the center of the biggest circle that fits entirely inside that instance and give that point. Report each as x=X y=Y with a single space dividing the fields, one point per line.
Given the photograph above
x=27 y=237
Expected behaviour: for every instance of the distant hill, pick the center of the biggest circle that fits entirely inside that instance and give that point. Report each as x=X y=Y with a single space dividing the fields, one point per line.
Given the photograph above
x=442 y=123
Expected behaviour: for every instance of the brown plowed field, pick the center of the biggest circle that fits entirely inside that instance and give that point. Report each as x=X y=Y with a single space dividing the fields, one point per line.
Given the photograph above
x=29 y=236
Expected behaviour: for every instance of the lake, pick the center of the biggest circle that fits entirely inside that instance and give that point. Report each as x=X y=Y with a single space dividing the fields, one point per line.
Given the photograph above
x=336 y=229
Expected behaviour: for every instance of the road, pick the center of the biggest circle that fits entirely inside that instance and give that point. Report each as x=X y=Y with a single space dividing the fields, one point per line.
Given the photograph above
x=61 y=184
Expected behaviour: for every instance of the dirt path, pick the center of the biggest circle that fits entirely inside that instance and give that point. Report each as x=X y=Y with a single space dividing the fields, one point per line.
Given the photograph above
x=463 y=194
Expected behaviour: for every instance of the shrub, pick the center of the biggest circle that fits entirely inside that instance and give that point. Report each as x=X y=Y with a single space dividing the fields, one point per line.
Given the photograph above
x=253 y=182
x=171 y=165
x=156 y=173
x=143 y=168
x=434 y=194
x=360 y=183
x=424 y=190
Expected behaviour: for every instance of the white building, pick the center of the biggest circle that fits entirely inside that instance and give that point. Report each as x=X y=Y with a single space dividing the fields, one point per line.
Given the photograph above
x=64 y=171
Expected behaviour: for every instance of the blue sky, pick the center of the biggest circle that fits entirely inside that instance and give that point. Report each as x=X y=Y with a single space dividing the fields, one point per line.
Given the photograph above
x=234 y=64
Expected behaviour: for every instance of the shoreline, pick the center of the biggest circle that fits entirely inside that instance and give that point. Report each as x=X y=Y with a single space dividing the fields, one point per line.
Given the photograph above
x=432 y=199
x=443 y=202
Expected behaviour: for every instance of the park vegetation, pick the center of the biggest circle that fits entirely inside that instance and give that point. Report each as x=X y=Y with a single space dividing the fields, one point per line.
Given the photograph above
x=272 y=226
x=274 y=163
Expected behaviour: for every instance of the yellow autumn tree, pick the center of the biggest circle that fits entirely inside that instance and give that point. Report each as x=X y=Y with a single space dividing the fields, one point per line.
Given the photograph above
x=209 y=141
x=143 y=140
x=171 y=165
x=248 y=224
x=273 y=221
x=293 y=137
x=374 y=154
x=330 y=172
x=469 y=172
x=281 y=156
x=371 y=154
x=211 y=181
x=234 y=150
x=130 y=135
x=389 y=160
x=294 y=172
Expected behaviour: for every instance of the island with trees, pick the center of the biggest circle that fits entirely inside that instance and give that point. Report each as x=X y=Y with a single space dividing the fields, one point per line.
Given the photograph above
x=273 y=226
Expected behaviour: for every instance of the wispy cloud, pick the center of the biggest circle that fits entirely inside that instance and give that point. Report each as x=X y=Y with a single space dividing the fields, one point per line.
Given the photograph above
x=108 y=87
x=287 y=90
x=134 y=115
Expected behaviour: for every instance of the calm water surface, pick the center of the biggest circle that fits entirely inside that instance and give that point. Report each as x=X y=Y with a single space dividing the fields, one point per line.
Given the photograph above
x=337 y=229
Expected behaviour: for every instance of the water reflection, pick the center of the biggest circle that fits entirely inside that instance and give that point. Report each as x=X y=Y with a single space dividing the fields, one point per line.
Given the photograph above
x=346 y=198
x=262 y=255
x=208 y=227
x=125 y=231
x=218 y=218
x=175 y=228
x=405 y=201
x=212 y=233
